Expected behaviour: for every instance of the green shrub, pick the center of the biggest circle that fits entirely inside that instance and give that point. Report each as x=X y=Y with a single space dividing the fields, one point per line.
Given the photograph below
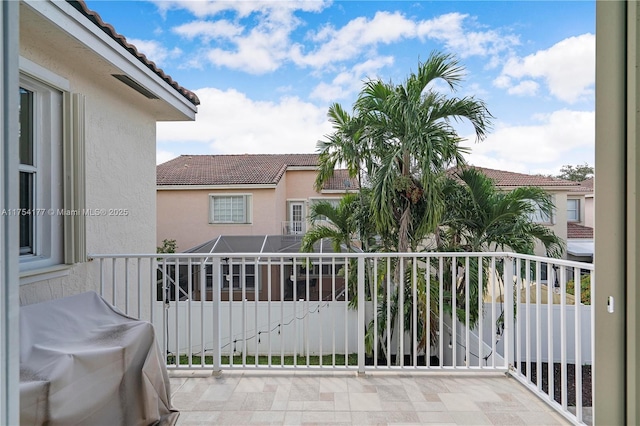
x=168 y=246
x=585 y=289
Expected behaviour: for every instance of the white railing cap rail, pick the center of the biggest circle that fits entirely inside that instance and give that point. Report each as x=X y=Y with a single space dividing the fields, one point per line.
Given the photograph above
x=559 y=262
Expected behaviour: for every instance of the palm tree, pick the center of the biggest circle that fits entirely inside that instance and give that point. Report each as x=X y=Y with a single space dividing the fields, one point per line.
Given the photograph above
x=409 y=128
x=346 y=146
x=340 y=227
x=481 y=217
x=402 y=138
x=345 y=225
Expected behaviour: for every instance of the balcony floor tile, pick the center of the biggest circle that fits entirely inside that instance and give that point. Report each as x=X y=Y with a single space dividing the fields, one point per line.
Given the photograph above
x=344 y=398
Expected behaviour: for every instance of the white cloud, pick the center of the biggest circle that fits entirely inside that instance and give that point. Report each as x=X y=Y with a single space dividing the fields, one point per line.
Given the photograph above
x=449 y=29
x=154 y=50
x=243 y=8
x=163 y=156
x=258 y=38
x=361 y=35
x=349 y=41
x=561 y=137
x=527 y=87
x=207 y=30
x=349 y=82
x=261 y=51
x=502 y=82
x=230 y=122
x=567 y=68
x=474 y=89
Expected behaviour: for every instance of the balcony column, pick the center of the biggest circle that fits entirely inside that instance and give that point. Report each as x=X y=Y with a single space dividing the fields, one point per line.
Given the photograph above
x=617 y=183
x=632 y=365
x=9 y=287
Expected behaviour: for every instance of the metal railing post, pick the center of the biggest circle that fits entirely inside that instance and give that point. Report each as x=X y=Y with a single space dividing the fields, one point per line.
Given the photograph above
x=215 y=296
x=509 y=329
x=361 y=308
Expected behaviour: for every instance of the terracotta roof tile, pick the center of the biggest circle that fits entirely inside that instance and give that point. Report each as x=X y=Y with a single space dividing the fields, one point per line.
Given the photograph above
x=108 y=29
x=587 y=185
x=341 y=181
x=504 y=178
x=578 y=231
x=247 y=169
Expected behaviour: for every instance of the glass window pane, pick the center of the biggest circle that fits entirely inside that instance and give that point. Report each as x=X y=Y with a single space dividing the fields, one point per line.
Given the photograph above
x=237 y=209
x=573 y=210
x=26 y=127
x=231 y=209
x=26 y=205
x=538 y=216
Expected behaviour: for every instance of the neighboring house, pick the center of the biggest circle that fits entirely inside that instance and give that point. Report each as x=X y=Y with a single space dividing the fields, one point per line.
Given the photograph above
x=201 y=197
x=573 y=216
x=89 y=104
x=589 y=202
x=580 y=243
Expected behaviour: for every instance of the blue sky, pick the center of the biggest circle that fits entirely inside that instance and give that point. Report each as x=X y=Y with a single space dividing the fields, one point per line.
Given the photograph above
x=266 y=72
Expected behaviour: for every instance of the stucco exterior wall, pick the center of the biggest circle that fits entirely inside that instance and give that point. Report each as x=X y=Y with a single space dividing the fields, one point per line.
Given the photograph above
x=119 y=167
x=280 y=202
x=589 y=211
x=300 y=184
x=559 y=225
x=300 y=187
x=183 y=215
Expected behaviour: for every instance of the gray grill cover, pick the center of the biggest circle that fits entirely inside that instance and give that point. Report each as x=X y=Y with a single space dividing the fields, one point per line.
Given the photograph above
x=84 y=362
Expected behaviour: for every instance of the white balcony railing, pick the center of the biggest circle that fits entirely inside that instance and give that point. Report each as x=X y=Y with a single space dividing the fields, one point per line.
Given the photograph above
x=302 y=311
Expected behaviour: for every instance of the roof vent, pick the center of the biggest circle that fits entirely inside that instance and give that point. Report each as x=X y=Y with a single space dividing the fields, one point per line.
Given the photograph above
x=135 y=86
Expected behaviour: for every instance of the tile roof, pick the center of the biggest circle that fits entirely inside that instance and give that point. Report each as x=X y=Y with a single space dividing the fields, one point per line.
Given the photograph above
x=578 y=231
x=504 y=178
x=586 y=185
x=81 y=7
x=245 y=169
x=340 y=181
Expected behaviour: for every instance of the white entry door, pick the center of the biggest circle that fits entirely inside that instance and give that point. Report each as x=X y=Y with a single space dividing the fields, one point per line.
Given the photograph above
x=296 y=217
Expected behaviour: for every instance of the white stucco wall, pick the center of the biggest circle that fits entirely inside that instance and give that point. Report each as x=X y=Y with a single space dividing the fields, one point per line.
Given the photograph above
x=120 y=159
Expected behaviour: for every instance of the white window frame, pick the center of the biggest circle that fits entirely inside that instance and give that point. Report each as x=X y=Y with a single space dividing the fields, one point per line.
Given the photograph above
x=576 y=218
x=247 y=203
x=59 y=140
x=333 y=200
x=538 y=217
x=47 y=246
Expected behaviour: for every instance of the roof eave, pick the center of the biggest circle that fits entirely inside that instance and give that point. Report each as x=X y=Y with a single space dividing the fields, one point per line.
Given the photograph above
x=546 y=188
x=339 y=191
x=72 y=22
x=302 y=168
x=242 y=186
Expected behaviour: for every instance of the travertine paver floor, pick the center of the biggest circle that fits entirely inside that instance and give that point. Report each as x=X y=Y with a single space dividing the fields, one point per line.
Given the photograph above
x=294 y=398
